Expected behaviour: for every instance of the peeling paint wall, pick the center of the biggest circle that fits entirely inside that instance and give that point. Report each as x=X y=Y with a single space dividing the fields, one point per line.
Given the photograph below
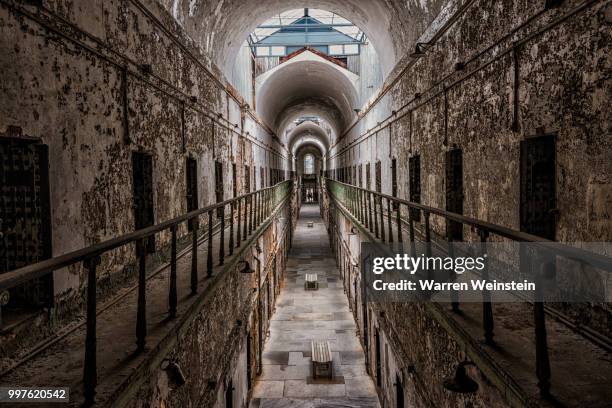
x=97 y=80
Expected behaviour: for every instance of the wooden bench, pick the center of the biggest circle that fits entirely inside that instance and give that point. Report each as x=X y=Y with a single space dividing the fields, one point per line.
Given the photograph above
x=321 y=359
x=311 y=282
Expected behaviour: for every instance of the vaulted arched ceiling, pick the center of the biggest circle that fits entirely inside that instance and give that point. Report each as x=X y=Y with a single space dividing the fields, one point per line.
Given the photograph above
x=307 y=88
x=221 y=26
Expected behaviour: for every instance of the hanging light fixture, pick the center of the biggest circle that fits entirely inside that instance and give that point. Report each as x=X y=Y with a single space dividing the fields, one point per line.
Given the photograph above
x=461 y=382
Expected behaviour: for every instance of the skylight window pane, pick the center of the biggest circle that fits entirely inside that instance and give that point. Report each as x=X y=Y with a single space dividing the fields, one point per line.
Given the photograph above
x=263 y=51
x=278 y=51
x=351 y=49
x=335 y=50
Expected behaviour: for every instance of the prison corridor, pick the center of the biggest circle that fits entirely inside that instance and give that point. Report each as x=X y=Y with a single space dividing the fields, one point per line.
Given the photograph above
x=302 y=316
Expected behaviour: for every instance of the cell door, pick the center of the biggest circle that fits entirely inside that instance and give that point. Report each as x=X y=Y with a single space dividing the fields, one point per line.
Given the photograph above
x=247 y=179
x=454 y=192
x=25 y=219
x=399 y=392
x=219 y=193
x=144 y=213
x=414 y=180
x=234 y=181
x=192 y=186
x=538 y=186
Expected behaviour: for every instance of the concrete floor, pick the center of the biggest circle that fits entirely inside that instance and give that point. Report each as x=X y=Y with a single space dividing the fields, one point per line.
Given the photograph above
x=302 y=316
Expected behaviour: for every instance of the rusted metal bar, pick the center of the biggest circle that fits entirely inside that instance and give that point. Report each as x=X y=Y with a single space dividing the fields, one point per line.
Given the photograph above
x=141 y=313
x=427 y=240
x=238 y=219
x=398 y=221
x=487 y=307
x=389 y=216
x=90 y=369
x=194 y=256
x=374 y=201
x=245 y=226
x=222 y=237
x=231 y=230
x=172 y=295
x=542 y=357
x=251 y=214
x=369 y=224
x=209 y=252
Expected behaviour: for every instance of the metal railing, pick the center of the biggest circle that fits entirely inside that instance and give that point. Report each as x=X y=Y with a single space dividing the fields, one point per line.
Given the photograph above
x=386 y=217
x=246 y=214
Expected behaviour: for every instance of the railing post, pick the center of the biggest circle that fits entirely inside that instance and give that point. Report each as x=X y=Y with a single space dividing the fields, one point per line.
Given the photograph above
x=542 y=358
x=209 y=251
x=172 y=295
x=194 y=257
x=382 y=218
x=238 y=229
x=374 y=201
x=90 y=369
x=411 y=230
x=368 y=209
x=141 y=313
x=251 y=213
x=427 y=240
x=390 y=228
x=258 y=218
x=246 y=219
x=231 y=231
x=222 y=237
x=487 y=307
x=451 y=250
x=360 y=196
x=398 y=220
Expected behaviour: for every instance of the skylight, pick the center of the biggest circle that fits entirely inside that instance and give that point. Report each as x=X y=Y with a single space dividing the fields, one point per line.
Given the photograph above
x=286 y=18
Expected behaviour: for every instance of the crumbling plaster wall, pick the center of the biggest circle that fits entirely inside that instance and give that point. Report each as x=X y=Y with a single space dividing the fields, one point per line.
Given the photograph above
x=563 y=88
x=69 y=67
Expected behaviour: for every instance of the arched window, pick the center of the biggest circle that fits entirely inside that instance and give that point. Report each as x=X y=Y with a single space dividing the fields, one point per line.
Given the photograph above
x=309 y=164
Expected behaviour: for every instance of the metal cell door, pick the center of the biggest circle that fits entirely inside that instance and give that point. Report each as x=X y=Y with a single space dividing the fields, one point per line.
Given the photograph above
x=538 y=186
x=25 y=219
x=144 y=213
x=399 y=392
x=192 y=186
x=219 y=193
x=454 y=192
x=234 y=181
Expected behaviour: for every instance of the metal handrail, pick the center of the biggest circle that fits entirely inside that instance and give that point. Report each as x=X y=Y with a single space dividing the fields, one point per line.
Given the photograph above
x=251 y=209
x=362 y=205
x=27 y=273
x=579 y=254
